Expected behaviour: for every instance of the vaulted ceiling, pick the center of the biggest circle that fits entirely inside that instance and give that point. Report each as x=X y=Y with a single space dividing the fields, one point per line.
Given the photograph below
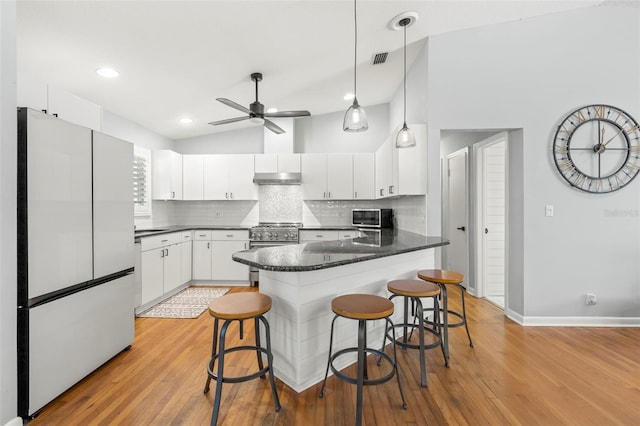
x=176 y=57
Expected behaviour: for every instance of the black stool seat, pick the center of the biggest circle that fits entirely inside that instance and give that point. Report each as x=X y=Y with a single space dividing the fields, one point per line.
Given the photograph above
x=363 y=308
x=239 y=307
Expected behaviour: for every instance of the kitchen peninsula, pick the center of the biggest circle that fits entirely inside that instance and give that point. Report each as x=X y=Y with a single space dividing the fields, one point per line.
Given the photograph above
x=302 y=280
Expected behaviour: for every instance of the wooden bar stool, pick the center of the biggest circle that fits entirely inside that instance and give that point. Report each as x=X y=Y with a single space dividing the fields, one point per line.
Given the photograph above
x=414 y=290
x=239 y=307
x=443 y=277
x=363 y=308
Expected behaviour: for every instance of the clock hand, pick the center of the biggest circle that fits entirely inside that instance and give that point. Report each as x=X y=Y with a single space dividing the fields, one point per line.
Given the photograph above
x=612 y=137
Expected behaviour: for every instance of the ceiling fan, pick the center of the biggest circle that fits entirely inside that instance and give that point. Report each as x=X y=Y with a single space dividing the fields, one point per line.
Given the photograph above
x=256 y=110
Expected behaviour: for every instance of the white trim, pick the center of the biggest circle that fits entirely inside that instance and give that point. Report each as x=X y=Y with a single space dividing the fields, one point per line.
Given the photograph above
x=513 y=315
x=580 y=321
x=465 y=152
x=17 y=421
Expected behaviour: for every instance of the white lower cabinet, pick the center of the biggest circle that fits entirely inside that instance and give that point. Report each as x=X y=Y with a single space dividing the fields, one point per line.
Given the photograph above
x=311 y=235
x=161 y=262
x=186 y=251
x=212 y=251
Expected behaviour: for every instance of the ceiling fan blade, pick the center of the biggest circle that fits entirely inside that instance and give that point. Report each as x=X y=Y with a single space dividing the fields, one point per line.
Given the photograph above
x=287 y=114
x=273 y=127
x=232 y=104
x=229 y=120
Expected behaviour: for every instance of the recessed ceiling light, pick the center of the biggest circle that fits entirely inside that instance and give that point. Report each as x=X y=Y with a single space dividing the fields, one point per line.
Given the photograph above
x=186 y=120
x=349 y=97
x=272 y=109
x=107 y=72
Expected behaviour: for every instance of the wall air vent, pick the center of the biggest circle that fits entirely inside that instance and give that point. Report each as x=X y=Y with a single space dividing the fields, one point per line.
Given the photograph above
x=379 y=58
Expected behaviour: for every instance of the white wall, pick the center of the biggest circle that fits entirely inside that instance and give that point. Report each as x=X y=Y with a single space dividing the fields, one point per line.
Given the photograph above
x=129 y=131
x=323 y=133
x=8 y=183
x=242 y=141
x=529 y=74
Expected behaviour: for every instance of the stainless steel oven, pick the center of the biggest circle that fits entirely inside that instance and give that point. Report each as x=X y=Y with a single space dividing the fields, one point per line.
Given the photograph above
x=271 y=234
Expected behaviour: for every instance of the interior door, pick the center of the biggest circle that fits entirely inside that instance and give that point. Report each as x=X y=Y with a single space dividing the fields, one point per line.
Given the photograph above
x=492 y=155
x=457 y=251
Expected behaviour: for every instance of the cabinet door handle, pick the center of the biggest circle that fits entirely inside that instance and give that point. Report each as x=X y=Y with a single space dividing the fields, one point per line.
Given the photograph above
x=319 y=236
x=202 y=235
x=245 y=246
x=167 y=252
x=164 y=241
x=329 y=195
x=229 y=235
x=381 y=192
x=173 y=194
x=208 y=245
x=226 y=195
x=55 y=114
x=162 y=253
x=391 y=189
x=355 y=194
x=231 y=195
x=324 y=195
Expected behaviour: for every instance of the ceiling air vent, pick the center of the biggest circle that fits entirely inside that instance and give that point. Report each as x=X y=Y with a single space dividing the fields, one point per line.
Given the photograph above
x=379 y=58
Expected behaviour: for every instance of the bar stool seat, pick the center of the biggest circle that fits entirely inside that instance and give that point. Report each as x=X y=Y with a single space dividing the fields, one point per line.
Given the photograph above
x=443 y=277
x=363 y=308
x=414 y=290
x=239 y=307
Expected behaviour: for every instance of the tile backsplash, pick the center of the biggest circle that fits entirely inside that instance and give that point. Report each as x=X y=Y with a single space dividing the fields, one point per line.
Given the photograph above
x=282 y=203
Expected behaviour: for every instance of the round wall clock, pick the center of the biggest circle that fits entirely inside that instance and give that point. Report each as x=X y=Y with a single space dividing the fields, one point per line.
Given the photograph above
x=597 y=148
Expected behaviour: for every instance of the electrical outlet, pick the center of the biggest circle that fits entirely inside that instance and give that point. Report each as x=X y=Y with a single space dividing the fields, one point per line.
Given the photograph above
x=590 y=299
x=218 y=213
x=548 y=210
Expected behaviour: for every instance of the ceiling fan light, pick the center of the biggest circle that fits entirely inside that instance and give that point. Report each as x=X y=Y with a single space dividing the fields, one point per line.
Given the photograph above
x=272 y=109
x=257 y=120
x=355 y=119
x=405 y=138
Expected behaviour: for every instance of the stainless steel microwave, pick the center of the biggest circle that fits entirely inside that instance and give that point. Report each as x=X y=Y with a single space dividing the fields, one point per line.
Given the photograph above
x=372 y=218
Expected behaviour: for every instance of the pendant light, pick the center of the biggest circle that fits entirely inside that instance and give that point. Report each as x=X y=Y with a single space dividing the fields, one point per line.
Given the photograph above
x=405 y=137
x=355 y=119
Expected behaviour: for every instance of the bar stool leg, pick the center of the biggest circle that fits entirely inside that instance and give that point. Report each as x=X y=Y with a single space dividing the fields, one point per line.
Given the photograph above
x=258 y=355
x=395 y=361
x=214 y=347
x=270 y=360
x=326 y=373
x=423 y=369
x=445 y=322
x=464 y=315
x=216 y=402
x=361 y=370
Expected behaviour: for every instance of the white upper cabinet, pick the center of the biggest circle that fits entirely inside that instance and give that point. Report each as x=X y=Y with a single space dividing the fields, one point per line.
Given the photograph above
x=364 y=176
x=193 y=177
x=327 y=176
x=229 y=177
x=340 y=176
x=41 y=96
x=167 y=175
x=277 y=163
x=402 y=171
x=314 y=176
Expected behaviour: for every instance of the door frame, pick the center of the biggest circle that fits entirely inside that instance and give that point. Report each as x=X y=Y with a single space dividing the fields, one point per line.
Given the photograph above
x=447 y=217
x=478 y=201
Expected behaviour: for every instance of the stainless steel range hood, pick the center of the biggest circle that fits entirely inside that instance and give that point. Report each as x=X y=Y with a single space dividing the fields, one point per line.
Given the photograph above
x=277 y=178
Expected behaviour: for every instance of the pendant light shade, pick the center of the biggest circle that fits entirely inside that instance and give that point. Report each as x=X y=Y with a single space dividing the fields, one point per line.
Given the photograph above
x=355 y=119
x=405 y=137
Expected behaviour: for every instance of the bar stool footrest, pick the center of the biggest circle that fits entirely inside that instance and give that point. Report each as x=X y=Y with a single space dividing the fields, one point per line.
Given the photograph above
x=441 y=324
x=238 y=379
x=366 y=381
x=402 y=344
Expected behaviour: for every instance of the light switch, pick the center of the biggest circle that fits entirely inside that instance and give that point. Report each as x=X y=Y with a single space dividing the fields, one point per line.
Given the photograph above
x=548 y=210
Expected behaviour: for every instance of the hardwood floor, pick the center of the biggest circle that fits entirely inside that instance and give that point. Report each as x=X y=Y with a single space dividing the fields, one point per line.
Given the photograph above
x=514 y=376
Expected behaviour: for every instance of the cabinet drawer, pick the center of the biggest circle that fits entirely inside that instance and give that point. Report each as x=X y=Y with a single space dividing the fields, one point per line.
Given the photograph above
x=343 y=235
x=318 y=235
x=201 y=235
x=156 y=241
x=186 y=236
x=230 y=235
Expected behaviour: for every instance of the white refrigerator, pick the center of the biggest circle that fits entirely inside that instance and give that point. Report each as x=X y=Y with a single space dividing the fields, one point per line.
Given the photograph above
x=75 y=254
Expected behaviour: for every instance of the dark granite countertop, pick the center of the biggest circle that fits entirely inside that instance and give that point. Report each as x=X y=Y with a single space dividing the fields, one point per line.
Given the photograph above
x=158 y=230
x=328 y=254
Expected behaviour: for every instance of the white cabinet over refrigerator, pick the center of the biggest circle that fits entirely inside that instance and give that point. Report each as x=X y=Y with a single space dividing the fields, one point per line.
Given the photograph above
x=75 y=254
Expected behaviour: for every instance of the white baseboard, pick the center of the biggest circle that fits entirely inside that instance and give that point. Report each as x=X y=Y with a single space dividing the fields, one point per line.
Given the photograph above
x=580 y=321
x=14 y=422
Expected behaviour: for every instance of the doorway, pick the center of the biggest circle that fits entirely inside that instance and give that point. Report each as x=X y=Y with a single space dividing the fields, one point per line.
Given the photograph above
x=490 y=212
